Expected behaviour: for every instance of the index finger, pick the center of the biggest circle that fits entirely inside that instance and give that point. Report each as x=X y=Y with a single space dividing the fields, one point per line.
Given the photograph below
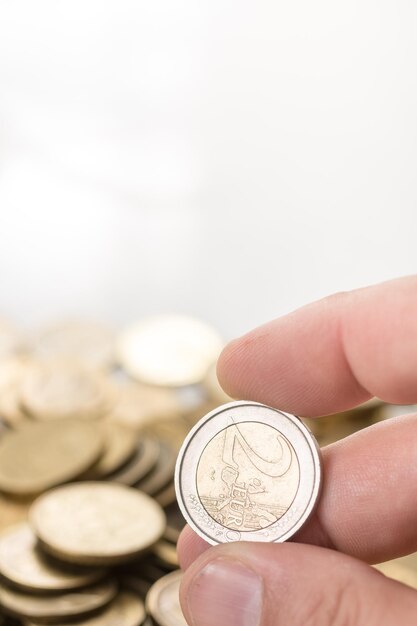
x=331 y=355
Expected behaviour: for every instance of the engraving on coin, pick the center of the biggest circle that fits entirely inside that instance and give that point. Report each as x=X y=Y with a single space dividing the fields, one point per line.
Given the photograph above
x=248 y=472
x=241 y=487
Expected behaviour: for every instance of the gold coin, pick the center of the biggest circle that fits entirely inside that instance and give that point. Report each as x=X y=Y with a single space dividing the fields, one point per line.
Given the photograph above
x=58 y=607
x=12 y=371
x=150 y=571
x=10 y=409
x=119 y=446
x=163 y=603
x=11 y=341
x=58 y=390
x=96 y=523
x=162 y=473
x=399 y=572
x=387 y=411
x=86 y=342
x=172 y=432
x=134 y=582
x=24 y=565
x=169 y=350
x=4 y=428
x=127 y=609
x=167 y=553
x=175 y=523
x=12 y=511
x=166 y=496
x=41 y=455
x=140 y=465
x=138 y=405
x=331 y=428
x=410 y=560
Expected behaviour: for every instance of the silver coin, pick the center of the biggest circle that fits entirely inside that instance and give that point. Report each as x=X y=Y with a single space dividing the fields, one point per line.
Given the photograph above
x=248 y=472
x=163 y=602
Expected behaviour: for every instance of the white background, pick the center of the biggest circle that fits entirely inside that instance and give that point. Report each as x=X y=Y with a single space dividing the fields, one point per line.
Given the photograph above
x=227 y=159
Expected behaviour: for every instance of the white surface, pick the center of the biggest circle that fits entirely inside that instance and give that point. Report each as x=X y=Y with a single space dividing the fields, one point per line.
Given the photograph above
x=228 y=159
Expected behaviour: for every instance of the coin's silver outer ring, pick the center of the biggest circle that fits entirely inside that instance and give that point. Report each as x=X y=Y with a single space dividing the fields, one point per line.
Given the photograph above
x=298 y=435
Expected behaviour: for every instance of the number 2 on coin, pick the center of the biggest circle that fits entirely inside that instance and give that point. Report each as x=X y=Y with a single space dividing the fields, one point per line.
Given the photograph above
x=274 y=469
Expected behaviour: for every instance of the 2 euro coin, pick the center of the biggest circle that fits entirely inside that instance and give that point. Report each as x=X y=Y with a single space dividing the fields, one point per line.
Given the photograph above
x=248 y=472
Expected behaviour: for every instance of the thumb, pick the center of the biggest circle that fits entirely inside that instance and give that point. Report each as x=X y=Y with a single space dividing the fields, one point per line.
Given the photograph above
x=248 y=584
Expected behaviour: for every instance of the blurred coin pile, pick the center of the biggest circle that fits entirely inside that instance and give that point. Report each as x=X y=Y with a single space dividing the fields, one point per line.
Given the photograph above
x=90 y=427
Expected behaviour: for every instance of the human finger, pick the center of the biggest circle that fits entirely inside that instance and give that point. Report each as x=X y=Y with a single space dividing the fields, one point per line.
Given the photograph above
x=332 y=354
x=248 y=584
x=189 y=547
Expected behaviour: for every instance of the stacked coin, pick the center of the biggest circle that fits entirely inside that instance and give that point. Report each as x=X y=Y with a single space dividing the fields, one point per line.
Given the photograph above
x=91 y=423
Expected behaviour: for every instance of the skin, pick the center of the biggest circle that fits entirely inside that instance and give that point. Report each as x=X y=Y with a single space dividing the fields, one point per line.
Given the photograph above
x=327 y=357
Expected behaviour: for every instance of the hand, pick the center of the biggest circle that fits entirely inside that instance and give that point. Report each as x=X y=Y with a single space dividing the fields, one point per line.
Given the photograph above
x=325 y=358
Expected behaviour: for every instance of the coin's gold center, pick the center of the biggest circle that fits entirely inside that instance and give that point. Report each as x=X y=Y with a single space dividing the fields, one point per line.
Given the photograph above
x=247 y=476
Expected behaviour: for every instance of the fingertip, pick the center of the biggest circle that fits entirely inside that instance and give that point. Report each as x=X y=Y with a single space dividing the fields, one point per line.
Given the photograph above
x=264 y=584
x=189 y=547
x=229 y=364
x=222 y=367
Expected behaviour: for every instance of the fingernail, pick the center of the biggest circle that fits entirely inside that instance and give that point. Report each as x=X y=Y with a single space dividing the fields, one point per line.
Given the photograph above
x=225 y=592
